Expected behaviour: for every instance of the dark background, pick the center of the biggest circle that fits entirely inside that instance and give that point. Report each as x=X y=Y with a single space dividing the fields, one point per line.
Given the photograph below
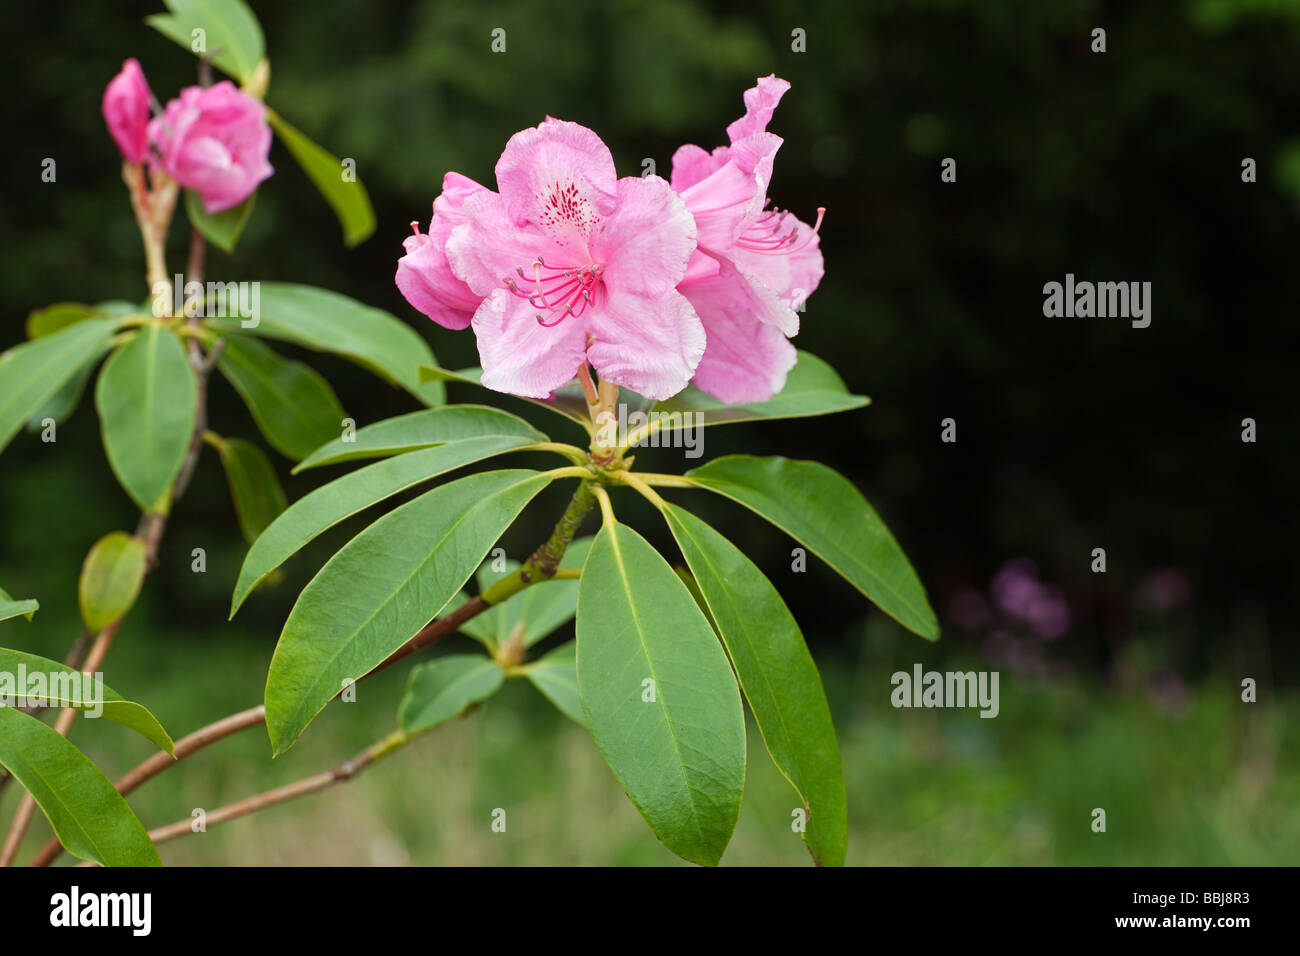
x=1072 y=434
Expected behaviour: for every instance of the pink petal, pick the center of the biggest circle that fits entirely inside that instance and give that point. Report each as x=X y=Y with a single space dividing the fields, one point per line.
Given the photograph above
x=650 y=345
x=214 y=140
x=756 y=155
x=125 y=106
x=783 y=280
x=450 y=203
x=760 y=103
x=692 y=164
x=806 y=268
x=489 y=247
x=424 y=275
x=426 y=280
x=719 y=203
x=646 y=243
x=559 y=176
x=702 y=266
x=745 y=360
x=519 y=355
x=763 y=301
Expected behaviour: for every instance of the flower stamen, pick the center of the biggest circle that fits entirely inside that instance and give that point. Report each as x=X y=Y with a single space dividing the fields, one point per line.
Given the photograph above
x=764 y=236
x=562 y=291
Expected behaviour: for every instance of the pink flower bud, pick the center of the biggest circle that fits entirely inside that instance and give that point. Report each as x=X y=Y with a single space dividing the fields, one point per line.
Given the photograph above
x=126 y=111
x=214 y=141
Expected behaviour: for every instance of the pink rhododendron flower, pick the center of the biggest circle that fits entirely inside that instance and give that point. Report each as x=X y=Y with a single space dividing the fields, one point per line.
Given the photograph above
x=572 y=265
x=424 y=275
x=754 y=266
x=126 y=111
x=214 y=140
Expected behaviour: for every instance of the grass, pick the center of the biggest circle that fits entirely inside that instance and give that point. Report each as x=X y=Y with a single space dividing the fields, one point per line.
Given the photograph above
x=1211 y=782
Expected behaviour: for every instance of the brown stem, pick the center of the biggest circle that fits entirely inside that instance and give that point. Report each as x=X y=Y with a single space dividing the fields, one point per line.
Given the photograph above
x=27 y=806
x=541 y=565
x=432 y=632
x=291 y=791
x=154 y=217
x=161 y=761
x=73 y=659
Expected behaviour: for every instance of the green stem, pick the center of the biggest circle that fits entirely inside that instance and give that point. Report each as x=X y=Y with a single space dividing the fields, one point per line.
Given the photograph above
x=571 y=452
x=666 y=481
x=545 y=561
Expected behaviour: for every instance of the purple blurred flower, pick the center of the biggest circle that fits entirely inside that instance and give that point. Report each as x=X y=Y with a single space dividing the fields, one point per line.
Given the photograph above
x=1048 y=614
x=1016 y=587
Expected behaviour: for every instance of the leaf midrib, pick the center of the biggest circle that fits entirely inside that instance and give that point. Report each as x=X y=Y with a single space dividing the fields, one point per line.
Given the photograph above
x=68 y=814
x=308 y=497
x=272 y=385
x=767 y=683
x=722 y=487
x=477 y=506
x=659 y=698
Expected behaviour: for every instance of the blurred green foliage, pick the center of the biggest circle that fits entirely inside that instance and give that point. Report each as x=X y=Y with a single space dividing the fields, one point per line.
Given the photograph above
x=1208 y=784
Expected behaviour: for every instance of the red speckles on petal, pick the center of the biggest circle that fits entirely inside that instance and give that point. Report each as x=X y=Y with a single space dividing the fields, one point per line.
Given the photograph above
x=566 y=214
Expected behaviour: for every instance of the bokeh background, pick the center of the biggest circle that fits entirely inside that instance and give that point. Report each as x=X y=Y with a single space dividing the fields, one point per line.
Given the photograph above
x=1118 y=690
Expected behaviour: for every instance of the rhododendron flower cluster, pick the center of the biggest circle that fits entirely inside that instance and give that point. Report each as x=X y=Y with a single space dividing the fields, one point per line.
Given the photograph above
x=214 y=140
x=652 y=283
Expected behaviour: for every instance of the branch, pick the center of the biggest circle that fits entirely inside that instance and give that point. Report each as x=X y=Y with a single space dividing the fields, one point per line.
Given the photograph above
x=432 y=632
x=27 y=806
x=301 y=788
x=151 y=526
x=541 y=566
x=162 y=760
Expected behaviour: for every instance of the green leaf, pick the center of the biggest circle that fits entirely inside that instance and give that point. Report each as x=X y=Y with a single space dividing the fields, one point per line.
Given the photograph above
x=232 y=36
x=60 y=315
x=60 y=406
x=567 y=400
x=223 y=228
x=11 y=608
x=446 y=688
x=824 y=512
x=680 y=756
x=329 y=504
x=777 y=675
x=556 y=676
x=295 y=409
x=536 y=611
x=57 y=317
x=422 y=429
x=110 y=580
x=812 y=388
x=88 y=815
x=329 y=322
x=254 y=486
x=382 y=588
x=349 y=199
x=147 y=399
x=58 y=685
x=693 y=586
x=31 y=373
